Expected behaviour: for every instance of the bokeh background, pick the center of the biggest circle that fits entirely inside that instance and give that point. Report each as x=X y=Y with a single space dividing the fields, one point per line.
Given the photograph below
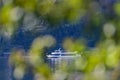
x=35 y=28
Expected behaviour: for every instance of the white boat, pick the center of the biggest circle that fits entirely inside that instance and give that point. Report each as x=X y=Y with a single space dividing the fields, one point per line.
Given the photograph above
x=63 y=54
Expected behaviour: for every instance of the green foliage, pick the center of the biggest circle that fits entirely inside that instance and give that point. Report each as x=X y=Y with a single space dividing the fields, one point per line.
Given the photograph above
x=94 y=64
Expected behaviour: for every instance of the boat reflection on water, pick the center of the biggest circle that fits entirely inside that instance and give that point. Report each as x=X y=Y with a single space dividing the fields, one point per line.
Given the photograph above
x=59 y=57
